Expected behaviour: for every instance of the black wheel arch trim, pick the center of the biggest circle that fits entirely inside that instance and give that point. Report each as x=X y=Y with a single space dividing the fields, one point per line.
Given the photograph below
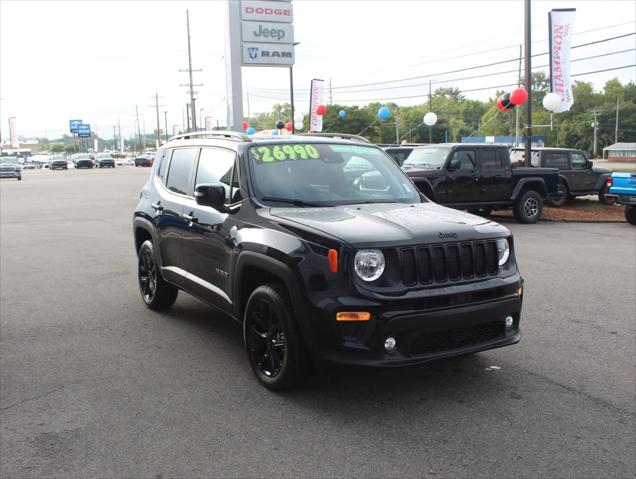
x=144 y=224
x=523 y=182
x=600 y=181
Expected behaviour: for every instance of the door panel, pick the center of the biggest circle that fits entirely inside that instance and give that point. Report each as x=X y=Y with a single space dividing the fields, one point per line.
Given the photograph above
x=494 y=176
x=208 y=247
x=459 y=186
x=581 y=173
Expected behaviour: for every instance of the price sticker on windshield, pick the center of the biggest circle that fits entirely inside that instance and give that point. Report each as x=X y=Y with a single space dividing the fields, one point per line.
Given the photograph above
x=270 y=154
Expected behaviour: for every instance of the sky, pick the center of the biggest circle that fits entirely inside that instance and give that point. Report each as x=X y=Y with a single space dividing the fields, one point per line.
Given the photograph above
x=100 y=60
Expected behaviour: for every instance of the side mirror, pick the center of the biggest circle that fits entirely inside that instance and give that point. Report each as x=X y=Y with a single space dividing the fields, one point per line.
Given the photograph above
x=210 y=195
x=453 y=165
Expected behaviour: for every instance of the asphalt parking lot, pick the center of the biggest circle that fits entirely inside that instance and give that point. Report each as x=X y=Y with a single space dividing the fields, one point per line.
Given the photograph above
x=93 y=384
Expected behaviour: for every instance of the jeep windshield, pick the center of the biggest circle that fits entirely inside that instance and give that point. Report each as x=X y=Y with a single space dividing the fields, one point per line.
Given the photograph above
x=324 y=174
x=432 y=157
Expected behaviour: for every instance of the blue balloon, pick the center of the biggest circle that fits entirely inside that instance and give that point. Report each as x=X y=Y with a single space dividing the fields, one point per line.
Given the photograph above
x=251 y=130
x=342 y=113
x=274 y=133
x=384 y=113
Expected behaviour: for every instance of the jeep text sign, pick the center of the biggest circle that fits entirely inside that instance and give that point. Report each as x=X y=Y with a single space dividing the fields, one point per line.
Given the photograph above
x=265 y=32
x=268 y=54
x=266 y=11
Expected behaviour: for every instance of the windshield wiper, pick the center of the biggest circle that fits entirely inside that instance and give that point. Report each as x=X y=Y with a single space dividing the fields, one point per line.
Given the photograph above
x=292 y=201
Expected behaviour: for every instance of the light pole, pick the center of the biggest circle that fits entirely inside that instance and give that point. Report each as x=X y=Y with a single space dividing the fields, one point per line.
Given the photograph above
x=528 y=82
x=201 y=119
x=291 y=91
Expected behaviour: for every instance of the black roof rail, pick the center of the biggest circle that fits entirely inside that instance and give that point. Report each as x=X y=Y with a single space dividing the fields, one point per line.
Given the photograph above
x=344 y=136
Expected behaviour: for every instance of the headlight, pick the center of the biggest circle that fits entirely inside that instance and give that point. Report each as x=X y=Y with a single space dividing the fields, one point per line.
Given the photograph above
x=369 y=264
x=503 y=251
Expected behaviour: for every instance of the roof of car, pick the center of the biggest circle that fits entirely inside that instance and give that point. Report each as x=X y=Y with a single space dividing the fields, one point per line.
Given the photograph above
x=546 y=148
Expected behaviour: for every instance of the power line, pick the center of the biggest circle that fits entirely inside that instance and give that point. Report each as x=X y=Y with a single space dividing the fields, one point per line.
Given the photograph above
x=475 y=67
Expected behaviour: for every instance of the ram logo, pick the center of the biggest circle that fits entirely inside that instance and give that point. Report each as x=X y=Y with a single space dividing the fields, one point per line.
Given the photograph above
x=252 y=52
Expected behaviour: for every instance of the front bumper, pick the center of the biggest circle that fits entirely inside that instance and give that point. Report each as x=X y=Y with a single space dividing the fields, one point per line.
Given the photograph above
x=424 y=330
x=10 y=174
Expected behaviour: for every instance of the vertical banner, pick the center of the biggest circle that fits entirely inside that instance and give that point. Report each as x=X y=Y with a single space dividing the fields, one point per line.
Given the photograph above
x=208 y=123
x=13 y=133
x=317 y=92
x=175 y=130
x=121 y=145
x=561 y=25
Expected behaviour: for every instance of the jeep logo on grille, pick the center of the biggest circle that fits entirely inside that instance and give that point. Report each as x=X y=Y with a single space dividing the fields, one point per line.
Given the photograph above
x=443 y=235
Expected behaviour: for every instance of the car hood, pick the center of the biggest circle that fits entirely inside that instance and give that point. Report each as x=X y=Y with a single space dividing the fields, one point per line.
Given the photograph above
x=393 y=224
x=599 y=170
x=417 y=172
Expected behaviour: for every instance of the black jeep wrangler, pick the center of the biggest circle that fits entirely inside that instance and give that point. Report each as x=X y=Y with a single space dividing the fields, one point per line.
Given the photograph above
x=577 y=174
x=479 y=178
x=325 y=252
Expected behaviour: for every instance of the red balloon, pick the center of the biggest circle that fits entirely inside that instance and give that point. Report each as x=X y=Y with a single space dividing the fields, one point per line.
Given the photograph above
x=503 y=102
x=245 y=125
x=288 y=126
x=500 y=105
x=321 y=110
x=518 y=96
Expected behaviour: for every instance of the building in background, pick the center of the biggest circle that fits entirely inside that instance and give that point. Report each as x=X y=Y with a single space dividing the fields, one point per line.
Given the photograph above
x=621 y=152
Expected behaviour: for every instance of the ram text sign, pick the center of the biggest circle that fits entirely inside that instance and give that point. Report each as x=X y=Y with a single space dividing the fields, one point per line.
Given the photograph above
x=268 y=54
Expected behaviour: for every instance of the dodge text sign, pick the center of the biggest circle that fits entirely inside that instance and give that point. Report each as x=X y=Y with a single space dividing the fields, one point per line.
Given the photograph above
x=266 y=32
x=265 y=11
x=268 y=54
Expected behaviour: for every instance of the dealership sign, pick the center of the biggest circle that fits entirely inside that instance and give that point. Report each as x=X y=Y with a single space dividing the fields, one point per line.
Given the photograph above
x=267 y=33
x=73 y=125
x=84 y=130
x=266 y=11
x=560 y=40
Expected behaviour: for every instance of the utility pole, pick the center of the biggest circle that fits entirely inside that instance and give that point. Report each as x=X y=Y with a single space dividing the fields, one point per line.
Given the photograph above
x=138 y=128
x=528 y=81
x=430 y=108
x=190 y=84
x=517 y=109
x=248 y=105
x=165 y=124
x=595 y=126
x=188 y=117
x=121 y=147
x=330 y=92
x=616 y=125
x=158 y=132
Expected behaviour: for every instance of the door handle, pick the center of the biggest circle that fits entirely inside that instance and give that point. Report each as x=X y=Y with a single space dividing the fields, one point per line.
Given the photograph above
x=476 y=180
x=157 y=206
x=190 y=219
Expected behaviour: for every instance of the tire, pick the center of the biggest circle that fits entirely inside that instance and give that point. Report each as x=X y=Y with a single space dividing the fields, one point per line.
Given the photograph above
x=630 y=214
x=562 y=188
x=601 y=196
x=155 y=292
x=274 y=347
x=19 y=178
x=480 y=211
x=528 y=207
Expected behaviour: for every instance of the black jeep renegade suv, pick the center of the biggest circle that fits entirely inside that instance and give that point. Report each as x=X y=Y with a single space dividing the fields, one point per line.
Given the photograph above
x=325 y=251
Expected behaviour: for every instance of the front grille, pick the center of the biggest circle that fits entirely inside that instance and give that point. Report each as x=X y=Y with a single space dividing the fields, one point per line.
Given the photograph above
x=457 y=338
x=450 y=262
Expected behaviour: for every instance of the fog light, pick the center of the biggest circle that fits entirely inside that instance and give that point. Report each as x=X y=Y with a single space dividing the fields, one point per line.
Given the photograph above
x=389 y=344
x=509 y=322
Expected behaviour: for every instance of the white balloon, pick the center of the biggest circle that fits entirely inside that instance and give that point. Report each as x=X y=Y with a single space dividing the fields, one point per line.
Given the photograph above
x=430 y=118
x=298 y=116
x=298 y=125
x=551 y=101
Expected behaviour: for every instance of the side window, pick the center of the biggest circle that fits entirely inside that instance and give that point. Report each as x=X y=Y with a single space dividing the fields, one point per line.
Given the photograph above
x=215 y=166
x=579 y=162
x=554 y=159
x=490 y=160
x=180 y=169
x=466 y=159
x=163 y=166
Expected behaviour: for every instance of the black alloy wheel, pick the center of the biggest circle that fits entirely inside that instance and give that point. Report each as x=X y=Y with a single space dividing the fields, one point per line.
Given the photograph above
x=273 y=343
x=563 y=191
x=155 y=292
x=528 y=207
x=266 y=339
